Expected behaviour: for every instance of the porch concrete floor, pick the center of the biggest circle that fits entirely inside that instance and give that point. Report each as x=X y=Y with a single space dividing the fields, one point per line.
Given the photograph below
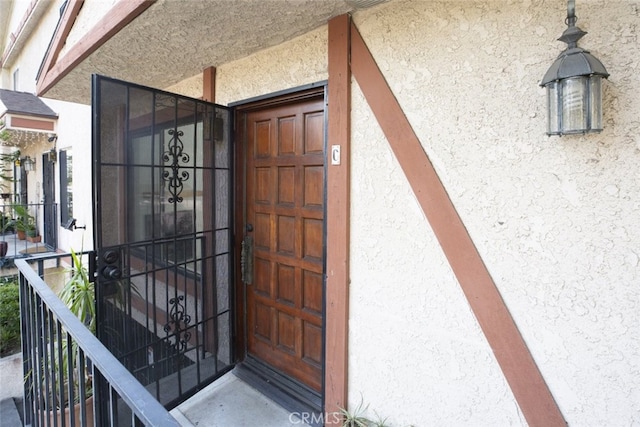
x=231 y=402
x=22 y=248
x=228 y=402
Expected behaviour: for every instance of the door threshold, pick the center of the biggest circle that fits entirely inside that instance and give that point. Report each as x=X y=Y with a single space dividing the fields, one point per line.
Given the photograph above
x=230 y=401
x=291 y=395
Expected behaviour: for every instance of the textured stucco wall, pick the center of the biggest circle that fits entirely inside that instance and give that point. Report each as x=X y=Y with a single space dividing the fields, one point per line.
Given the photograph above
x=298 y=62
x=188 y=87
x=416 y=353
x=89 y=15
x=555 y=219
x=30 y=57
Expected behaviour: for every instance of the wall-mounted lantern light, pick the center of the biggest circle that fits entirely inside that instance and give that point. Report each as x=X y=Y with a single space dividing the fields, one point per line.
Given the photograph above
x=574 y=85
x=29 y=164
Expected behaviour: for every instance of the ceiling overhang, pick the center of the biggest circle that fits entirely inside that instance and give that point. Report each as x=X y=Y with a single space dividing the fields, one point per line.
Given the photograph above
x=160 y=43
x=27 y=25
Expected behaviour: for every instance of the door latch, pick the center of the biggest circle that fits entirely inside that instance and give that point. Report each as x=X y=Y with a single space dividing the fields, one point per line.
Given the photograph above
x=246 y=260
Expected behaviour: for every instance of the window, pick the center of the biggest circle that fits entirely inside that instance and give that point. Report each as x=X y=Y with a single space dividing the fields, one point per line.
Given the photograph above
x=16 y=75
x=66 y=186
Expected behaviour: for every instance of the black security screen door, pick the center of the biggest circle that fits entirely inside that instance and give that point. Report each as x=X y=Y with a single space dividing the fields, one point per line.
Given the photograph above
x=162 y=183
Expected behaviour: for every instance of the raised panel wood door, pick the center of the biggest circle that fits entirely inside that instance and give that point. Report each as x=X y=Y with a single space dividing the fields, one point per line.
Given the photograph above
x=285 y=213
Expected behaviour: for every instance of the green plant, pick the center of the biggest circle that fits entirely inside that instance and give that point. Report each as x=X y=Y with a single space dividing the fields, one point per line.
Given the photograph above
x=7 y=262
x=23 y=220
x=4 y=134
x=5 y=223
x=9 y=318
x=379 y=422
x=78 y=293
x=355 y=418
x=7 y=160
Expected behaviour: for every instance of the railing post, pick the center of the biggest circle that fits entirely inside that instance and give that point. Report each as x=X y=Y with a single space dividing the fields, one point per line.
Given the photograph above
x=26 y=361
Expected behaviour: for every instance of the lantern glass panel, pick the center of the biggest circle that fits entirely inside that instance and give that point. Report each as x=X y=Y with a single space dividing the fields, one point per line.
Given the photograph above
x=553 y=120
x=595 y=104
x=574 y=104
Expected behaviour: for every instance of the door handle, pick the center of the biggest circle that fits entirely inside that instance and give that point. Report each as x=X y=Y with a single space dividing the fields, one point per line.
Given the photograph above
x=111 y=272
x=246 y=260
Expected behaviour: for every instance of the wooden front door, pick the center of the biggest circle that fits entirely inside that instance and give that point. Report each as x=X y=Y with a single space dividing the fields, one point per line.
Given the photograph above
x=285 y=190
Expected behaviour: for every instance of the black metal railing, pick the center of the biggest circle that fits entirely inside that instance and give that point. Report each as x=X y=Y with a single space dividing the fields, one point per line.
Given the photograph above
x=64 y=363
x=28 y=228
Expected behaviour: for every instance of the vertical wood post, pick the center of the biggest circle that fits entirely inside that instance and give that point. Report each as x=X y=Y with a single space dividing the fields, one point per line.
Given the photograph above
x=338 y=207
x=209 y=84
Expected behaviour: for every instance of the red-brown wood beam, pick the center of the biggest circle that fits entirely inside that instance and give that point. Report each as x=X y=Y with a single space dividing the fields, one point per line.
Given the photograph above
x=120 y=15
x=23 y=122
x=513 y=356
x=209 y=84
x=66 y=23
x=338 y=208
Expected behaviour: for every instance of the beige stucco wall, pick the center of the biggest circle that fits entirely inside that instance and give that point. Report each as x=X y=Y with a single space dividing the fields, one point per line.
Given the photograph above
x=416 y=352
x=74 y=135
x=295 y=63
x=88 y=16
x=555 y=219
x=298 y=62
x=37 y=36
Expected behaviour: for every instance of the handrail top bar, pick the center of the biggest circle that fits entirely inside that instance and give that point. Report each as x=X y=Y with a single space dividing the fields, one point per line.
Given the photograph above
x=129 y=389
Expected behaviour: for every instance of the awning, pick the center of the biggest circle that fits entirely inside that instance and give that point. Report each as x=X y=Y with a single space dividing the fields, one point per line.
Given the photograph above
x=24 y=119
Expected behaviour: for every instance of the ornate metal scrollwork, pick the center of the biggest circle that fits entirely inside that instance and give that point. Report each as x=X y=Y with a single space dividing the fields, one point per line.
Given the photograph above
x=179 y=323
x=174 y=155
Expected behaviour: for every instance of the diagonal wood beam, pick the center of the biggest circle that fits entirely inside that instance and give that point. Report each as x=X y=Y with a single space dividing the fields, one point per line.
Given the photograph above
x=60 y=36
x=120 y=15
x=513 y=356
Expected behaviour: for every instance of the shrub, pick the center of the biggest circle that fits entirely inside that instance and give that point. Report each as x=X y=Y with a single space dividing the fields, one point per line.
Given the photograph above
x=5 y=223
x=9 y=318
